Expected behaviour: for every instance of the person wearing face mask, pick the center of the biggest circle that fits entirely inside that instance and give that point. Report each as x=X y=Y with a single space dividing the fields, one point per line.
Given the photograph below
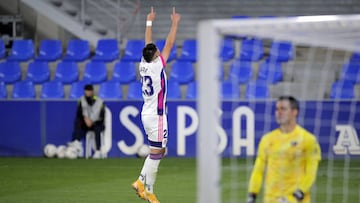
x=90 y=116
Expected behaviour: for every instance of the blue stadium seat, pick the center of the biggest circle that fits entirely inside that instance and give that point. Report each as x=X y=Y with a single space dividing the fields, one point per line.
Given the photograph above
x=2 y=49
x=342 y=89
x=49 y=50
x=38 y=72
x=257 y=90
x=182 y=71
x=77 y=50
x=10 y=72
x=21 y=50
x=52 y=90
x=160 y=45
x=267 y=16
x=191 y=91
x=124 y=72
x=230 y=90
x=241 y=71
x=281 y=51
x=133 y=50
x=67 y=72
x=24 y=90
x=227 y=49
x=3 y=90
x=107 y=50
x=351 y=72
x=173 y=89
x=252 y=49
x=77 y=89
x=135 y=90
x=240 y=17
x=270 y=72
x=189 y=51
x=355 y=57
x=95 y=72
x=110 y=90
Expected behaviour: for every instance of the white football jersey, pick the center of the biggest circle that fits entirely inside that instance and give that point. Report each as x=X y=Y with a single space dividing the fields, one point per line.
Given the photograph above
x=154 y=86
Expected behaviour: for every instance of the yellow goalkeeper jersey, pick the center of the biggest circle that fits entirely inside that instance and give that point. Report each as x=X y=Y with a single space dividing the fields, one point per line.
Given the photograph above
x=289 y=161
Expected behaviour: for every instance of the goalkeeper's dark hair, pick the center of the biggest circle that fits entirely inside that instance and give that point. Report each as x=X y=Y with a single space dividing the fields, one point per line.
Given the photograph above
x=294 y=103
x=149 y=52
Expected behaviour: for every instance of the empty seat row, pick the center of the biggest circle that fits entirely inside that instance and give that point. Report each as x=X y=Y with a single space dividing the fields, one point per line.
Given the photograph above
x=67 y=72
x=51 y=50
x=242 y=71
x=231 y=90
x=107 y=90
x=107 y=50
x=183 y=71
x=273 y=72
x=260 y=90
x=125 y=72
x=95 y=72
x=113 y=90
x=251 y=49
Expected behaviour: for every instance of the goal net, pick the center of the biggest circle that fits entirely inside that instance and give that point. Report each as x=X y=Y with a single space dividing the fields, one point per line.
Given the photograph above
x=313 y=58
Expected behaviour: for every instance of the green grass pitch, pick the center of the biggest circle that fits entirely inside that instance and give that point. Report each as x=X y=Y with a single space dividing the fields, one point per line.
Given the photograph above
x=43 y=180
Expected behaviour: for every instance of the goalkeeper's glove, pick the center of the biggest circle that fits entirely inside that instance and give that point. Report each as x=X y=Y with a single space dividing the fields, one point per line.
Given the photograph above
x=299 y=195
x=251 y=198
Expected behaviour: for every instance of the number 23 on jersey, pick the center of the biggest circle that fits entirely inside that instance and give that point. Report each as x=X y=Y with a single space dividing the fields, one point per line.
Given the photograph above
x=147 y=84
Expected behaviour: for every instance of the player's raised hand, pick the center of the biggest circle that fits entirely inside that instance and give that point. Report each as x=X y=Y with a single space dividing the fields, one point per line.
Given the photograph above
x=175 y=17
x=151 y=16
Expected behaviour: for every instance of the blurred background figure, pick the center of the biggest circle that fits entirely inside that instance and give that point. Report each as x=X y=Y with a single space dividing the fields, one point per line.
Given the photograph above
x=90 y=116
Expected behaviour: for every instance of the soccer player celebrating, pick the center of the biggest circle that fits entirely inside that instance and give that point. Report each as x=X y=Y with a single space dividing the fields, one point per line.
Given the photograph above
x=153 y=114
x=289 y=155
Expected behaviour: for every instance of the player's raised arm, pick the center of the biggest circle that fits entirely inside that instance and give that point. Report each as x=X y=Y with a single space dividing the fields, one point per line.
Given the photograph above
x=170 y=40
x=148 y=31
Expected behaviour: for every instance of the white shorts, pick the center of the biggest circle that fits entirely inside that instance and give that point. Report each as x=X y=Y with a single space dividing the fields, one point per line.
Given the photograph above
x=156 y=130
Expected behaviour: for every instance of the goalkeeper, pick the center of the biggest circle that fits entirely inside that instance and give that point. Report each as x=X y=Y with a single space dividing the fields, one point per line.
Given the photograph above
x=288 y=157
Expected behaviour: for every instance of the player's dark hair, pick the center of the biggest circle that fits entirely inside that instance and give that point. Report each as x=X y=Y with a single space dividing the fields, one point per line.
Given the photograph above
x=149 y=52
x=88 y=87
x=294 y=104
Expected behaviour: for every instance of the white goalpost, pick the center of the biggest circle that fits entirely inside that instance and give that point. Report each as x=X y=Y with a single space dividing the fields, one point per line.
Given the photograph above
x=333 y=33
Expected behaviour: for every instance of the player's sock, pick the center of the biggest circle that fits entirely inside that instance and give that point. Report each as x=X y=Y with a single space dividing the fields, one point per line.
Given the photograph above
x=142 y=178
x=142 y=175
x=154 y=161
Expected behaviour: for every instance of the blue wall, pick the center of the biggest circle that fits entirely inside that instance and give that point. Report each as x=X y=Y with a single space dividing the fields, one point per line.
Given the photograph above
x=26 y=126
